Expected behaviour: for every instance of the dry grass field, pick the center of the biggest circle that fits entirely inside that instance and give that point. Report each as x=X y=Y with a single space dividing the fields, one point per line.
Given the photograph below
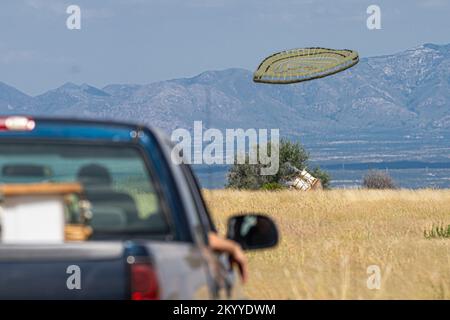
x=329 y=238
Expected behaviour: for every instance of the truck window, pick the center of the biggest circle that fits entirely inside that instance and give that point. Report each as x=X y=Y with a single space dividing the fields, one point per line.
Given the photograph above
x=202 y=208
x=115 y=180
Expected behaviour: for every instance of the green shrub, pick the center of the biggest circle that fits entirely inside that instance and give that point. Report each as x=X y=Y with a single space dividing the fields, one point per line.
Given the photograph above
x=272 y=186
x=323 y=176
x=437 y=231
x=376 y=179
x=292 y=159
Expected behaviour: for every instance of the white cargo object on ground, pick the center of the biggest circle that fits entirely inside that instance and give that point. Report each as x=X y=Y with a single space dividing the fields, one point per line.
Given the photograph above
x=304 y=181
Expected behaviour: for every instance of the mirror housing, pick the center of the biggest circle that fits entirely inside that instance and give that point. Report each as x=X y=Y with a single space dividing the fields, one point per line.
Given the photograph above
x=252 y=231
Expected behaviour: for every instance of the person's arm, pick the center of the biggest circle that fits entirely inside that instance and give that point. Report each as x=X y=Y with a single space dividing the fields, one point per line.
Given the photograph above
x=235 y=251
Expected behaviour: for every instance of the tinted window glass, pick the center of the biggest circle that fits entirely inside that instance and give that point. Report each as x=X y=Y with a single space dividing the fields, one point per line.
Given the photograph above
x=115 y=180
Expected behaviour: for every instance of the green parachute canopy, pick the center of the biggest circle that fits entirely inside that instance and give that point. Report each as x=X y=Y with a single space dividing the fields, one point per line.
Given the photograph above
x=305 y=64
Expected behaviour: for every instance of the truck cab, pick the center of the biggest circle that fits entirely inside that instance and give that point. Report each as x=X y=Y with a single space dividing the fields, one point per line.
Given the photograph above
x=148 y=222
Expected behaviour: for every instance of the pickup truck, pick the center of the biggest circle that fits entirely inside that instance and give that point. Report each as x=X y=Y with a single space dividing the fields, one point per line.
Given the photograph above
x=149 y=221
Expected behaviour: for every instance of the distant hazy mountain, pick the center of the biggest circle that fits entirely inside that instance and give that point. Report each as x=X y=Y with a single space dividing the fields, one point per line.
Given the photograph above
x=12 y=100
x=408 y=91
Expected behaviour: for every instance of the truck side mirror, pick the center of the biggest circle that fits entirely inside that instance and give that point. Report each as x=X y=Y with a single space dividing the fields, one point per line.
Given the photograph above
x=252 y=231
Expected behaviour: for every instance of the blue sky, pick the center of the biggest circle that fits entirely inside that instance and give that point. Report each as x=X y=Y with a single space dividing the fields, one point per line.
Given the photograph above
x=142 y=41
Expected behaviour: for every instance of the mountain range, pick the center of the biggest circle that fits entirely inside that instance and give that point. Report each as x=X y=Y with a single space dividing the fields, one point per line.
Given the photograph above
x=406 y=92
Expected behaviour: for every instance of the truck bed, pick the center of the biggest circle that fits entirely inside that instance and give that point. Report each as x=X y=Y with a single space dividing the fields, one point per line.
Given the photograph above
x=40 y=271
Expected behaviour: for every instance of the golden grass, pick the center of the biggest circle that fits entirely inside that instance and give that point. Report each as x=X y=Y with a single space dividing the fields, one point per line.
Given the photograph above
x=329 y=238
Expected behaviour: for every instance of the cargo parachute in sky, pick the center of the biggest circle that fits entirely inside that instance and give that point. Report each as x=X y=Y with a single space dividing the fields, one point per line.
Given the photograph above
x=305 y=64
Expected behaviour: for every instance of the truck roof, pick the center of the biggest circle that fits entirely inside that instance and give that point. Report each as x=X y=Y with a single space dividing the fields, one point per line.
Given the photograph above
x=65 y=128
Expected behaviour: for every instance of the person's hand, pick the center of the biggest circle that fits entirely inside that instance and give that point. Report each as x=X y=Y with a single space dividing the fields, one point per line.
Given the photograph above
x=234 y=250
x=238 y=257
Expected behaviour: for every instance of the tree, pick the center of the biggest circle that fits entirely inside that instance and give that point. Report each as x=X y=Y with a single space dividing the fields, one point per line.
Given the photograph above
x=376 y=179
x=323 y=176
x=292 y=157
x=246 y=176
